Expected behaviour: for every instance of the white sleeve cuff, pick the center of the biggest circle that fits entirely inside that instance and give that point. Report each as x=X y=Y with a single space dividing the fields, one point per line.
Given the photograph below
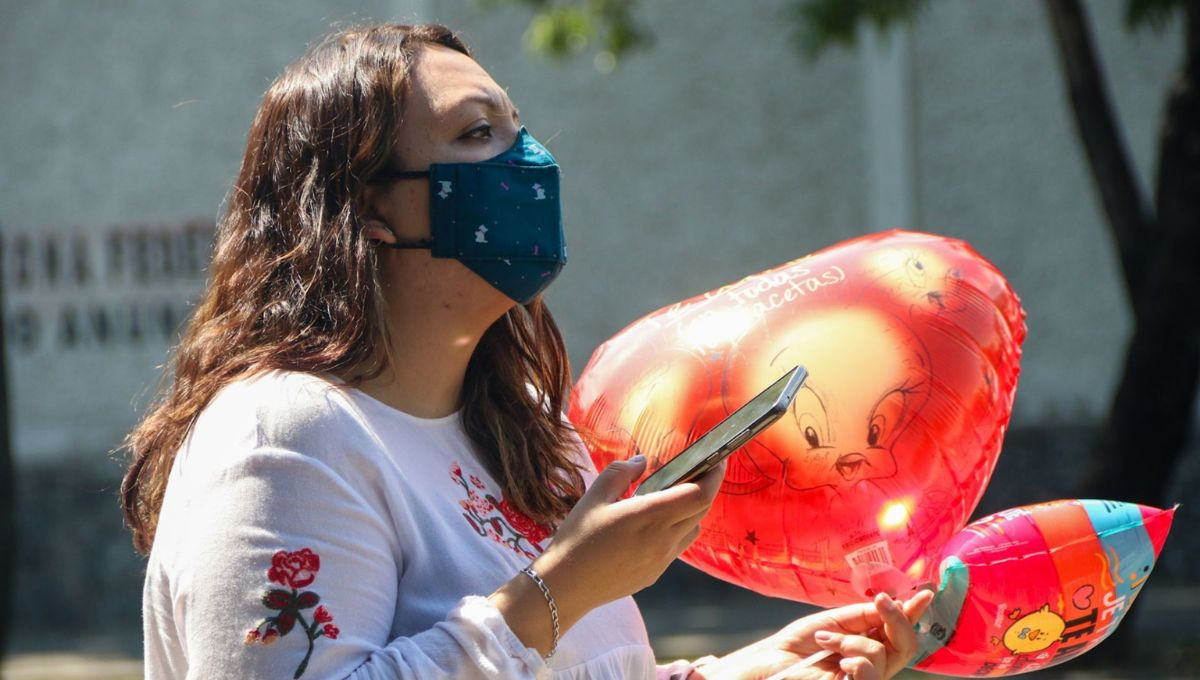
x=479 y=612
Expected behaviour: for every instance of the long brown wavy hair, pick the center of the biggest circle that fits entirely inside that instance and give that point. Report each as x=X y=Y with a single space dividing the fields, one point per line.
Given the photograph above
x=294 y=284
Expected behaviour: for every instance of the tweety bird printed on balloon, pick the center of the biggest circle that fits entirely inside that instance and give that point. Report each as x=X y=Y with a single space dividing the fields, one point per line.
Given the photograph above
x=912 y=343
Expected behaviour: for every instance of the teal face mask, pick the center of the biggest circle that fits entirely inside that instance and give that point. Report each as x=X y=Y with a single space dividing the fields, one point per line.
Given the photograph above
x=501 y=217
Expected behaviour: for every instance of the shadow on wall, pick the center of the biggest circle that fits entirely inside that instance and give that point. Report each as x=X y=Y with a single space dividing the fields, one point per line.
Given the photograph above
x=78 y=581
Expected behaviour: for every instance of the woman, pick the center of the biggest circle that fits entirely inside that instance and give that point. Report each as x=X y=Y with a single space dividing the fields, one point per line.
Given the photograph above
x=359 y=463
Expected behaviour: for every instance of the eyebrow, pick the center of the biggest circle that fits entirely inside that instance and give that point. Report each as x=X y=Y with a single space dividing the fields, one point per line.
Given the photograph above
x=491 y=101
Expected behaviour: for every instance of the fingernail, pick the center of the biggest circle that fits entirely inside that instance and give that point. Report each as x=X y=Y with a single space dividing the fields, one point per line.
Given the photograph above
x=637 y=459
x=823 y=636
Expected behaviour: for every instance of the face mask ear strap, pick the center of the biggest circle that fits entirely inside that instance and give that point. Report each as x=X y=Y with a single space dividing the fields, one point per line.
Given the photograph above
x=404 y=174
x=423 y=244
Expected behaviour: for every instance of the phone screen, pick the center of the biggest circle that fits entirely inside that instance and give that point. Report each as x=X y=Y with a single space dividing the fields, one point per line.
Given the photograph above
x=731 y=433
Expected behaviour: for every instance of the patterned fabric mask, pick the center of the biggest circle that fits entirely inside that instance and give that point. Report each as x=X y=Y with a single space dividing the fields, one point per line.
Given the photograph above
x=501 y=217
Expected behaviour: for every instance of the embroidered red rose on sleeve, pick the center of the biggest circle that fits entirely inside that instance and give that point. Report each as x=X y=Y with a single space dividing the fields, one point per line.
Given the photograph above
x=295 y=570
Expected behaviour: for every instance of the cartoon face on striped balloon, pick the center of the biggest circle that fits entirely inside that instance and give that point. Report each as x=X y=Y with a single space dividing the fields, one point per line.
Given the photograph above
x=912 y=345
x=1032 y=587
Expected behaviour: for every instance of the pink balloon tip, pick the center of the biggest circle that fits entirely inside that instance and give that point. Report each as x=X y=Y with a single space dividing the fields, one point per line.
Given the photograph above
x=1158 y=524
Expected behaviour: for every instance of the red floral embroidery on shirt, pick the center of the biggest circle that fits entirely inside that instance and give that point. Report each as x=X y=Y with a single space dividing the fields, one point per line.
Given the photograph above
x=295 y=570
x=498 y=519
x=518 y=520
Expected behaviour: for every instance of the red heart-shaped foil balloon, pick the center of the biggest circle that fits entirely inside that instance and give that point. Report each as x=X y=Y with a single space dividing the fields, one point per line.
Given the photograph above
x=912 y=344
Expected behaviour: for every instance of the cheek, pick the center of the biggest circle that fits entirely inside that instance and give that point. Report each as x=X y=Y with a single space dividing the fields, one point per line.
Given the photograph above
x=456 y=285
x=407 y=210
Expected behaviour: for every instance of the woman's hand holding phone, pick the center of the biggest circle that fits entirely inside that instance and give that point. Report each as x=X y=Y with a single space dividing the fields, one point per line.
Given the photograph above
x=606 y=548
x=609 y=547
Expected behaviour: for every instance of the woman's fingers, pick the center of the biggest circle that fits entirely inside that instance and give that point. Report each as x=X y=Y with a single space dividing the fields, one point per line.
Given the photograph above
x=859 y=668
x=916 y=606
x=614 y=480
x=689 y=501
x=850 y=646
x=687 y=539
x=898 y=628
x=710 y=482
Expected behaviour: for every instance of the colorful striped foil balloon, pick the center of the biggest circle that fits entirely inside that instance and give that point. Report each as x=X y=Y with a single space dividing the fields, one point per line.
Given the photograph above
x=1032 y=587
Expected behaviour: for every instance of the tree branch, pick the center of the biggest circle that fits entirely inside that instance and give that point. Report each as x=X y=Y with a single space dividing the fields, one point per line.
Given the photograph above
x=1150 y=419
x=1177 y=207
x=1129 y=218
x=8 y=487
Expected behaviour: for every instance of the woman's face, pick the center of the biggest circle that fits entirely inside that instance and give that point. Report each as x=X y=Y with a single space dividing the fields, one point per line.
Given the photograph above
x=454 y=112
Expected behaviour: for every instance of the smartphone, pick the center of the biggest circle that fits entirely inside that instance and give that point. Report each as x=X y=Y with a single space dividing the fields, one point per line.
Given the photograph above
x=729 y=435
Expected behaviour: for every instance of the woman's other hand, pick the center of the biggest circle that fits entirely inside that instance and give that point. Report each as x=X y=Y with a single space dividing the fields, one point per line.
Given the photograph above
x=606 y=548
x=868 y=641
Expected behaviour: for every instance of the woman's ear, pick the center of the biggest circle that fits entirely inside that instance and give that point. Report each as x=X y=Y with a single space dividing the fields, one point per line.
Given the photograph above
x=378 y=230
x=375 y=228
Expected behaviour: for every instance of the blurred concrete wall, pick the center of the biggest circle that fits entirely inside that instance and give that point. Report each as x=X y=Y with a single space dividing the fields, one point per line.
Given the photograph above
x=720 y=152
x=717 y=153
x=123 y=127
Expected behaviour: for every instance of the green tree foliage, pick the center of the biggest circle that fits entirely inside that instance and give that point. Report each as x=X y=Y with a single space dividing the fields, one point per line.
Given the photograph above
x=1154 y=13
x=820 y=24
x=564 y=29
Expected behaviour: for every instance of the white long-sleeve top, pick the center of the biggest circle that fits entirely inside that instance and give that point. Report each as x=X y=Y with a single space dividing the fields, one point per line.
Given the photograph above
x=311 y=531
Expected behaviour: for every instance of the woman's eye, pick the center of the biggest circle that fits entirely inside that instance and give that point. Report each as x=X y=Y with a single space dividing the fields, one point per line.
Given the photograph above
x=482 y=132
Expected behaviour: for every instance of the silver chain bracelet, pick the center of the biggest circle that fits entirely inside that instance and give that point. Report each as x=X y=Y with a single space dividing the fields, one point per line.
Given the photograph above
x=550 y=601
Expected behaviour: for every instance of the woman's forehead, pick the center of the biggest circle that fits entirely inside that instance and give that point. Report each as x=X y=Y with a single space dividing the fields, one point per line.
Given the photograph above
x=445 y=79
